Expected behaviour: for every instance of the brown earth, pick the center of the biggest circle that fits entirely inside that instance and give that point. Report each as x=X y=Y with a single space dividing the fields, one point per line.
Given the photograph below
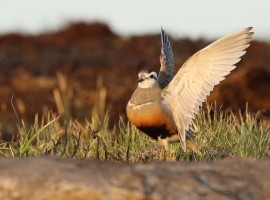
x=50 y=178
x=91 y=54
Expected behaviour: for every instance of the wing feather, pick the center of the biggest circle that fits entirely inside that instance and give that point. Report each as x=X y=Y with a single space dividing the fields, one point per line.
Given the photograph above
x=167 y=70
x=197 y=77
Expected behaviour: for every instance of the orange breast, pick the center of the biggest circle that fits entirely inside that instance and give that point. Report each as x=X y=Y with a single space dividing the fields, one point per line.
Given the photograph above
x=150 y=117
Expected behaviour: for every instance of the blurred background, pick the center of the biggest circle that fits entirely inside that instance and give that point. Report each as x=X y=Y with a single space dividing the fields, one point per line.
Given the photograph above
x=81 y=58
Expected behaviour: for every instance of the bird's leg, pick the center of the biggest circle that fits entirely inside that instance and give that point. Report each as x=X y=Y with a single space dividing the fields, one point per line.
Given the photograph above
x=192 y=146
x=165 y=147
x=165 y=143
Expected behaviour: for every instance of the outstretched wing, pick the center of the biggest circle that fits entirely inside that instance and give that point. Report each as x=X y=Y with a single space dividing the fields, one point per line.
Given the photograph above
x=167 y=70
x=198 y=76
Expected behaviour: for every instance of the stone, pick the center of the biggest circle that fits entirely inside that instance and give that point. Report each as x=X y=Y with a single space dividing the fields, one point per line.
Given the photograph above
x=47 y=178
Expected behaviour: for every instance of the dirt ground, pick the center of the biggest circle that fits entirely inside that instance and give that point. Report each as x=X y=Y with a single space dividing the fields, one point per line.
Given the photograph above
x=70 y=68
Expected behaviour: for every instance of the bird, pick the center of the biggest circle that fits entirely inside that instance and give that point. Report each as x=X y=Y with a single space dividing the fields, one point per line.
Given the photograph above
x=164 y=105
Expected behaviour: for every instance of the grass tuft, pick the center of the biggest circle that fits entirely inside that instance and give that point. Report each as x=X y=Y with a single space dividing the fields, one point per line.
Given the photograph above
x=219 y=135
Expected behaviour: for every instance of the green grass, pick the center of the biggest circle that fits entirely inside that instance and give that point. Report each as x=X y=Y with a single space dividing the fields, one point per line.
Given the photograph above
x=219 y=135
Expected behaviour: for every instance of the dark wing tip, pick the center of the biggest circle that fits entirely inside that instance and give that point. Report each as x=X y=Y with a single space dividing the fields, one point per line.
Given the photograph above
x=163 y=35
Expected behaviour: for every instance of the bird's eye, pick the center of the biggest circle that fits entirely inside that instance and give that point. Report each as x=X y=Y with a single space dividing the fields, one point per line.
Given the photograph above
x=152 y=76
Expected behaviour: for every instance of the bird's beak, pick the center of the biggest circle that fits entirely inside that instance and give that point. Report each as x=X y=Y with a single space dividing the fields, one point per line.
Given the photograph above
x=139 y=80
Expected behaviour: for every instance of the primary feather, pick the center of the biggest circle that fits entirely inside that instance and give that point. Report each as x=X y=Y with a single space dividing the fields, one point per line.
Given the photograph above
x=167 y=70
x=198 y=76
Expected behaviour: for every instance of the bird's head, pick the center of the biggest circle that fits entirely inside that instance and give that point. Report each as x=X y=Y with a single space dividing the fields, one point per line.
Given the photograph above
x=147 y=78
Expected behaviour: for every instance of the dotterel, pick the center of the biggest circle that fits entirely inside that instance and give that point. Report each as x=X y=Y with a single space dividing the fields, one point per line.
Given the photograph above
x=163 y=106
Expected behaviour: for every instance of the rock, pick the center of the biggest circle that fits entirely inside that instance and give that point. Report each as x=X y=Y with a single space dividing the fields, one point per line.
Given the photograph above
x=47 y=178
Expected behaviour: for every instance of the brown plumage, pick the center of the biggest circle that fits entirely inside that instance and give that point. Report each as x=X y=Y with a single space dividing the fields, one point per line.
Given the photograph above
x=146 y=102
x=165 y=109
